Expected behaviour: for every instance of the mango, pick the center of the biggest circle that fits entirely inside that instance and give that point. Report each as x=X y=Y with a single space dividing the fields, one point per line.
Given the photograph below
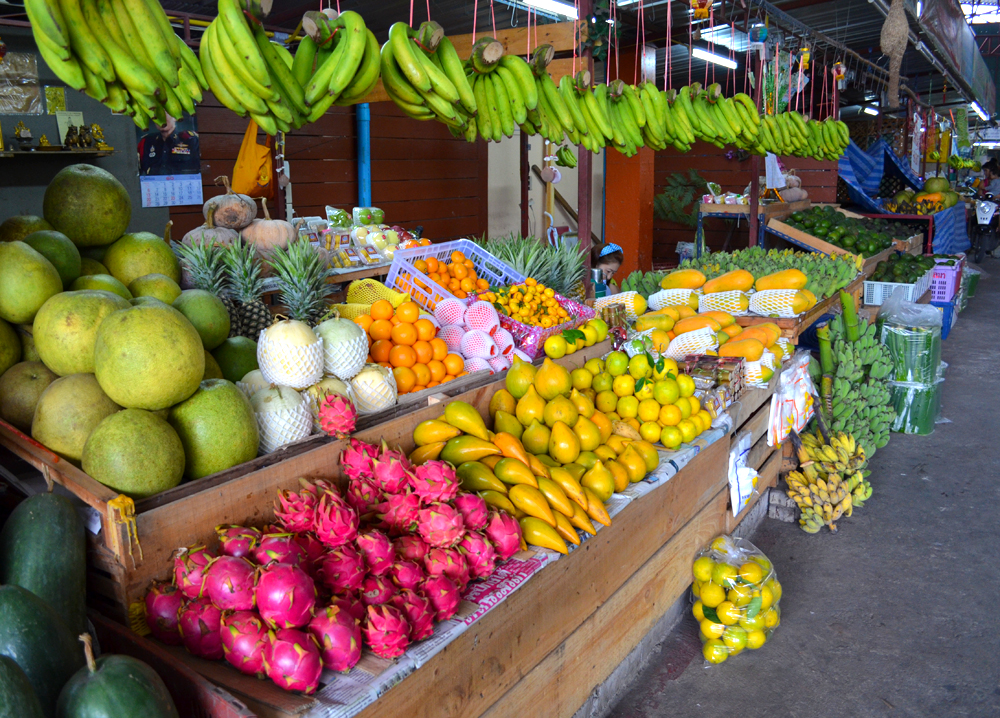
x=530 y=407
x=584 y=405
x=575 y=470
x=514 y=472
x=556 y=497
x=467 y=448
x=564 y=446
x=538 y=533
x=587 y=459
x=560 y=409
x=547 y=460
x=634 y=464
x=433 y=431
x=537 y=467
x=581 y=520
x=619 y=474
x=588 y=433
x=477 y=476
x=498 y=500
x=519 y=377
x=532 y=502
x=464 y=416
x=603 y=423
x=605 y=453
x=566 y=530
x=508 y=423
x=425 y=453
x=536 y=438
x=502 y=400
x=738 y=280
x=570 y=486
x=595 y=508
x=599 y=480
x=648 y=453
x=551 y=380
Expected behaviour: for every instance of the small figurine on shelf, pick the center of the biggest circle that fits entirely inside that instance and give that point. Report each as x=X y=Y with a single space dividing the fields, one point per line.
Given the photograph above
x=23 y=136
x=72 y=140
x=86 y=139
x=43 y=141
x=98 y=133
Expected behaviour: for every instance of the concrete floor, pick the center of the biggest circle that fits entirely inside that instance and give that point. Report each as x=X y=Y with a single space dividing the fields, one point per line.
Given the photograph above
x=898 y=614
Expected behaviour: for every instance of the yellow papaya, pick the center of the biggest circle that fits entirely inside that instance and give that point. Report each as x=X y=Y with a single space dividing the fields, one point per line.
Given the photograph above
x=433 y=431
x=759 y=333
x=425 y=453
x=724 y=319
x=732 y=330
x=772 y=329
x=464 y=416
x=785 y=279
x=566 y=530
x=749 y=349
x=476 y=476
x=532 y=502
x=800 y=303
x=683 y=279
x=669 y=311
x=467 y=448
x=538 y=533
x=810 y=295
x=698 y=322
x=684 y=311
x=739 y=280
x=653 y=321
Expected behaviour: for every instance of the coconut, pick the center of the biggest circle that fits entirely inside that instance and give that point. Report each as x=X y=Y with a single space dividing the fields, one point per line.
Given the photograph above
x=282 y=417
x=217 y=427
x=88 y=205
x=27 y=280
x=345 y=347
x=290 y=354
x=135 y=453
x=252 y=382
x=67 y=411
x=65 y=329
x=20 y=388
x=374 y=389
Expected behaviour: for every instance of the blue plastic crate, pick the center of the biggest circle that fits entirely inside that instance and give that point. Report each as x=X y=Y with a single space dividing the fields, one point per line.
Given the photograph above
x=948 y=316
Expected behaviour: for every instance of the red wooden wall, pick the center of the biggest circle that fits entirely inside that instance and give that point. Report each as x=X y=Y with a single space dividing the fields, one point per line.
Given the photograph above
x=421 y=175
x=818 y=178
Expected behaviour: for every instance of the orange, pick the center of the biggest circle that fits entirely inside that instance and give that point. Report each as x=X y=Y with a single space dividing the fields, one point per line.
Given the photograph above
x=432 y=264
x=470 y=266
x=424 y=242
x=381 y=309
x=404 y=333
x=425 y=329
x=468 y=284
x=454 y=364
x=394 y=320
x=460 y=294
x=459 y=271
x=482 y=284
x=448 y=377
x=424 y=351
x=386 y=364
x=380 y=350
x=462 y=374
x=408 y=312
x=381 y=329
x=438 y=371
x=454 y=285
x=457 y=257
x=420 y=265
x=419 y=387
x=405 y=379
x=422 y=372
x=433 y=383
x=402 y=356
x=364 y=321
x=440 y=348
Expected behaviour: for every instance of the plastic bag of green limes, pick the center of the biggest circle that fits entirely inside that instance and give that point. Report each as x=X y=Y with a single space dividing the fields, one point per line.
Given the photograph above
x=736 y=594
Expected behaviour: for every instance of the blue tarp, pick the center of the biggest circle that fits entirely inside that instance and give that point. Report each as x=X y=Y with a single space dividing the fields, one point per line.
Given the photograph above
x=950 y=230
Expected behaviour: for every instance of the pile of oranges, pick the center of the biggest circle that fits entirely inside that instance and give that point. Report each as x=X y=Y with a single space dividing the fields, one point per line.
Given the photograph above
x=529 y=303
x=407 y=344
x=457 y=276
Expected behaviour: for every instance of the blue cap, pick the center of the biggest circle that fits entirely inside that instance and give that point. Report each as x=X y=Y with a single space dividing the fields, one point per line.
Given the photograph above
x=610 y=248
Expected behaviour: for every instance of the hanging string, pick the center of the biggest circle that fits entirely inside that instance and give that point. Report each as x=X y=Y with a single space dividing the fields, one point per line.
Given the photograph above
x=475 y=14
x=527 y=43
x=732 y=55
x=690 y=45
x=798 y=98
x=705 y=84
x=812 y=86
x=788 y=106
x=493 y=17
x=668 y=81
x=428 y=9
x=614 y=16
x=822 y=100
x=576 y=32
x=411 y=13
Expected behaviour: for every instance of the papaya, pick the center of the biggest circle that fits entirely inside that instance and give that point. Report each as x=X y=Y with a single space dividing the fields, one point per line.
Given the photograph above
x=684 y=311
x=723 y=318
x=721 y=337
x=749 y=349
x=683 y=279
x=733 y=330
x=738 y=280
x=810 y=295
x=669 y=311
x=773 y=329
x=785 y=279
x=653 y=321
x=800 y=303
x=699 y=322
x=755 y=332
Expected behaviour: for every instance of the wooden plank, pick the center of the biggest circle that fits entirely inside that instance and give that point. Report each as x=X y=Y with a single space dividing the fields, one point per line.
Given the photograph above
x=759 y=453
x=768 y=478
x=515 y=39
x=391 y=149
x=757 y=424
x=751 y=400
x=561 y=683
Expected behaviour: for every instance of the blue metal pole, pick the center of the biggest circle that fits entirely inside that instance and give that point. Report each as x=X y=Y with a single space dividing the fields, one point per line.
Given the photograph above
x=363 y=114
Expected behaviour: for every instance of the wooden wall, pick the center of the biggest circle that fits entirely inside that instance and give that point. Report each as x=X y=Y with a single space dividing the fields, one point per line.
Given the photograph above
x=818 y=178
x=421 y=175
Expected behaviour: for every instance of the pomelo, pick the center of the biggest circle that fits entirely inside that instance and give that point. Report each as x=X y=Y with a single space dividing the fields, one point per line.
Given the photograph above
x=95 y=253
x=104 y=282
x=16 y=228
x=212 y=368
x=29 y=352
x=10 y=347
x=138 y=254
x=88 y=205
x=148 y=357
x=65 y=329
x=217 y=427
x=56 y=247
x=147 y=302
x=27 y=280
x=20 y=388
x=68 y=410
x=91 y=266
x=136 y=453
x=207 y=313
x=237 y=356
x=155 y=285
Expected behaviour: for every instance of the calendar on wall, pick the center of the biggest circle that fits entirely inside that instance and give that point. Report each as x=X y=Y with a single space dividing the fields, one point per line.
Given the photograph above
x=170 y=190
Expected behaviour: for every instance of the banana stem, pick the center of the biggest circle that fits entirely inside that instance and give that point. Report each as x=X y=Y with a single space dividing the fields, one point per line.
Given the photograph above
x=583 y=80
x=486 y=53
x=429 y=35
x=825 y=349
x=540 y=59
x=850 y=317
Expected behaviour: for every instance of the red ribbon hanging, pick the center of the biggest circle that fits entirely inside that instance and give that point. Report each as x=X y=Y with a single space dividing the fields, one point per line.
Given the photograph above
x=668 y=81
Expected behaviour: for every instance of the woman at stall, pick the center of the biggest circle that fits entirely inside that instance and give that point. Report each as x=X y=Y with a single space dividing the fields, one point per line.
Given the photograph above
x=991 y=183
x=608 y=258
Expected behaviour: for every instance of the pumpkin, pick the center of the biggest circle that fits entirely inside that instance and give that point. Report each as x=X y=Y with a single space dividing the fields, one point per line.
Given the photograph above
x=266 y=234
x=208 y=232
x=233 y=211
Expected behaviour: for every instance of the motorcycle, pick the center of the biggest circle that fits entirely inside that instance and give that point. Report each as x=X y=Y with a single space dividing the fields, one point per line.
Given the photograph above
x=985 y=235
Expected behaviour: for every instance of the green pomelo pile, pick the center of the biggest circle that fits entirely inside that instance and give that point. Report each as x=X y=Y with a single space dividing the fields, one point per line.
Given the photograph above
x=155 y=285
x=207 y=313
x=135 y=453
x=27 y=280
x=237 y=356
x=56 y=247
x=88 y=205
x=20 y=388
x=104 y=282
x=69 y=409
x=217 y=427
x=65 y=329
x=16 y=228
x=138 y=254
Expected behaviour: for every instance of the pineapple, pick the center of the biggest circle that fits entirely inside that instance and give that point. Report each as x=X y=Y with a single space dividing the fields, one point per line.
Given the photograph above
x=560 y=267
x=302 y=276
x=247 y=285
x=202 y=259
x=566 y=270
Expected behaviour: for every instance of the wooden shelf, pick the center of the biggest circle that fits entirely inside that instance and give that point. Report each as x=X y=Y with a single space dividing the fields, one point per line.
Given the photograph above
x=56 y=153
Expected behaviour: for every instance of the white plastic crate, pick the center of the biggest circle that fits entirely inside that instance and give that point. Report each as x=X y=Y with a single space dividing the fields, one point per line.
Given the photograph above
x=877 y=292
x=404 y=277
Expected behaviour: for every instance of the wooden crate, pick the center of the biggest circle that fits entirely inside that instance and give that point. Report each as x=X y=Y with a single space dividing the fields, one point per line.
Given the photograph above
x=792 y=327
x=121 y=565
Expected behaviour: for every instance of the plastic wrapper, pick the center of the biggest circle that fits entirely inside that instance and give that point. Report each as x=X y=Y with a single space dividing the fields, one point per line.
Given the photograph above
x=917 y=406
x=736 y=594
x=368 y=215
x=912 y=333
x=20 y=91
x=792 y=404
x=529 y=339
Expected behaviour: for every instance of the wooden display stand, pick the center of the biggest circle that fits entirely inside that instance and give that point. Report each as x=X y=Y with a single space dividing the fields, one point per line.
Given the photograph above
x=792 y=327
x=753 y=416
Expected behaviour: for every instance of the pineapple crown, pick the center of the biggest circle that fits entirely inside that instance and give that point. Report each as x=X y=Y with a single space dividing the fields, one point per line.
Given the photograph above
x=302 y=276
x=203 y=261
x=560 y=267
x=244 y=271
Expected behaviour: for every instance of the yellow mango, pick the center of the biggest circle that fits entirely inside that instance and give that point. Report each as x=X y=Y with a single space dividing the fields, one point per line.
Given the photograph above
x=595 y=508
x=581 y=520
x=620 y=475
x=566 y=530
x=538 y=533
x=514 y=471
x=570 y=486
x=433 y=431
x=557 y=498
x=532 y=502
x=502 y=400
x=464 y=416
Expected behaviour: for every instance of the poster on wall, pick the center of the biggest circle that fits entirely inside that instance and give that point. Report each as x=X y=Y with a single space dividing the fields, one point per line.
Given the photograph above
x=170 y=163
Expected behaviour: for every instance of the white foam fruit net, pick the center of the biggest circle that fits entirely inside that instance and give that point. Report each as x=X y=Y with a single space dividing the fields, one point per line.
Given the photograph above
x=345 y=359
x=278 y=428
x=730 y=302
x=753 y=368
x=633 y=350
x=286 y=365
x=626 y=299
x=478 y=344
x=482 y=316
x=477 y=364
x=504 y=342
x=670 y=298
x=452 y=335
x=375 y=396
x=450 y=311
x=697 y=342
x=499 y=364
x=787 y=347
x=773 y=302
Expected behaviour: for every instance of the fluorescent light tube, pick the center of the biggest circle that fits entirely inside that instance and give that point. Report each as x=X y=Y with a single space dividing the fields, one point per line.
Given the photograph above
x=979 y=111
x=870 y=111
x=711 y=57
x=560 y=8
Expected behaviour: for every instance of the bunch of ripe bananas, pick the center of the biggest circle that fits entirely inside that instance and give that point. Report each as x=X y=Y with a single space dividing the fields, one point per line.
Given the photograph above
x=122 y=53
x=831 y=483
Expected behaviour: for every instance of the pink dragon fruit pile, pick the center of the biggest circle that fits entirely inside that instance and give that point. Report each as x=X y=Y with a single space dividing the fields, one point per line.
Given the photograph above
x=377 y=566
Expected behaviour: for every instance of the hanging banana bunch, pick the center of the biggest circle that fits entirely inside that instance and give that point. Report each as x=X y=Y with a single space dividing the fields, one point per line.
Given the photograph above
x=122 y=53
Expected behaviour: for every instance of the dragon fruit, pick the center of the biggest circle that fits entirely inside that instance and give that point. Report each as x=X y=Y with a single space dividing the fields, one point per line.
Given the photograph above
x=479 y=554
x=285 y=596
x=406 y=574
x=163 y=601
x=443 y=595
x=356 y=460
x=280 y=547
x=244 y=640
x=441 y=525
x=504 y=533
x=435 y=481
x=392 y=474
x=418 y=612
x=386 y=631
x=337 y=415
x=292 y=660
x=336 y=522
x=338 y=634
x=313 y=549
x=351 y=604
x=448 y=562
x=412 y=548
x=376 y=590
x=473 y=509
x=363 y=495
x=378 y=551
x=229 y=583
x=341 y=570
x=237 y=541
x=399 y=513
x=295 y=512
x=387 y=454
x=199 y=623
x=189 y=569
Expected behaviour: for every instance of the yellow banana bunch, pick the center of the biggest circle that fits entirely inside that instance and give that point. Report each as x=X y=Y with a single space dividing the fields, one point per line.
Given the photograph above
x=122 y=53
